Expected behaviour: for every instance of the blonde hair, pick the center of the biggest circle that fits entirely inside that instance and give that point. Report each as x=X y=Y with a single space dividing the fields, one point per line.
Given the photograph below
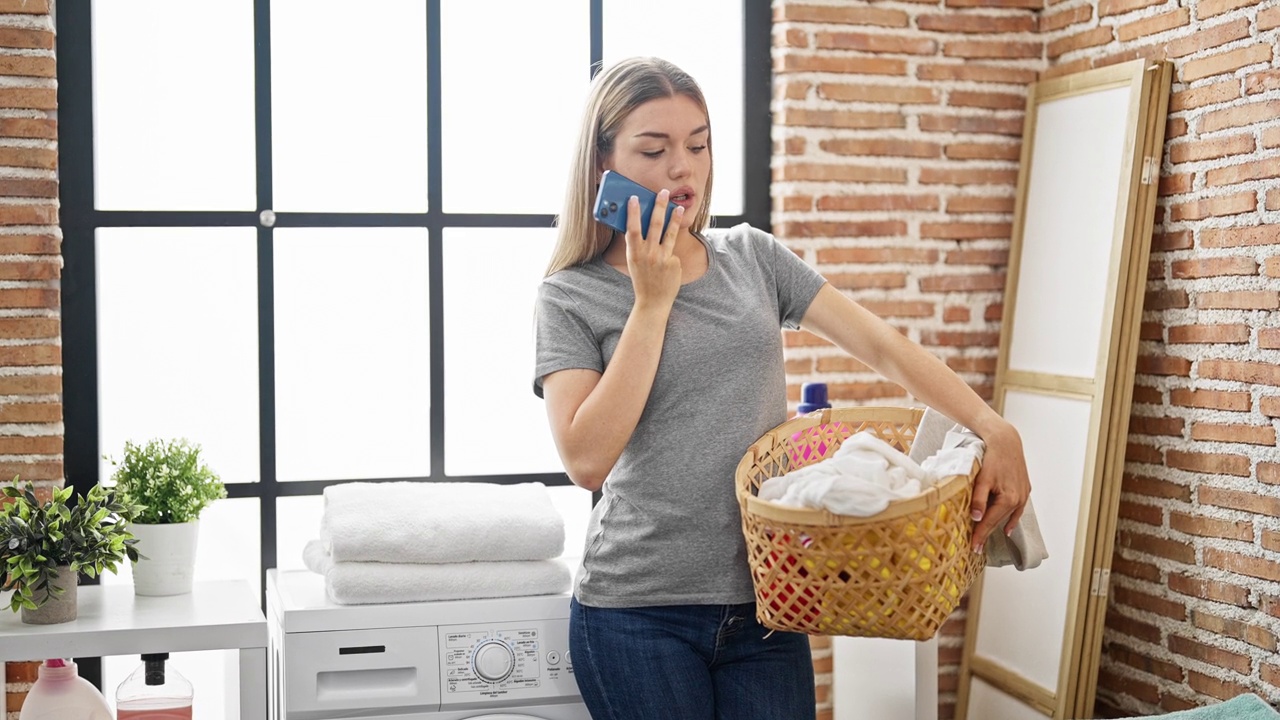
x=615 y=93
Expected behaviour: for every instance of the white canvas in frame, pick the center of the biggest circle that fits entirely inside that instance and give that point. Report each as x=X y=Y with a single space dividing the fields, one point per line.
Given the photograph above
x=1065 y=369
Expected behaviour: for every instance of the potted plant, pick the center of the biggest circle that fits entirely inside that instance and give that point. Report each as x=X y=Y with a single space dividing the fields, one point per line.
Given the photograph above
x=44 y=546
x=173 y=486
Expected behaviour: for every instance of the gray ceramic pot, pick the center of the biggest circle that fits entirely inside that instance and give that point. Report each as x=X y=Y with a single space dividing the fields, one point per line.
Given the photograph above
x=58 y=608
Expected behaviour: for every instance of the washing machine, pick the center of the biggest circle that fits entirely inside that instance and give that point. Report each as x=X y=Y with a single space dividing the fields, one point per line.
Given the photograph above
x=493 y=659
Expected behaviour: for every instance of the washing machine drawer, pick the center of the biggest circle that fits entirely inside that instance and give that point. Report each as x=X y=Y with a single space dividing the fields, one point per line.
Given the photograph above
x=377 y=671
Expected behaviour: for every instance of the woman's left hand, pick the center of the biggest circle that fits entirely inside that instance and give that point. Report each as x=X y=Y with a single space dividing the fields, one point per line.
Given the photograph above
x=1002 y=487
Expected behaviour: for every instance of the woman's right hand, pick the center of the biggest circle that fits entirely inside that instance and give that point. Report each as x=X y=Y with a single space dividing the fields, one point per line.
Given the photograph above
x=651 y=259
x=593 y=414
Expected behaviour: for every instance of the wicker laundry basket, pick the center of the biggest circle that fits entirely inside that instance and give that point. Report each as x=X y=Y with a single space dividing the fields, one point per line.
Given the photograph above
x=897 y=574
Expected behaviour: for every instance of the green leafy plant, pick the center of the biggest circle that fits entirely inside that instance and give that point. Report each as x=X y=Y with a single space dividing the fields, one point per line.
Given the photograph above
x=168 y=479
x=36 y=538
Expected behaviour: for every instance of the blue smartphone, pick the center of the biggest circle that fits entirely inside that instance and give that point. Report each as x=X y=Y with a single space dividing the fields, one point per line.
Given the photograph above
x=611 y=202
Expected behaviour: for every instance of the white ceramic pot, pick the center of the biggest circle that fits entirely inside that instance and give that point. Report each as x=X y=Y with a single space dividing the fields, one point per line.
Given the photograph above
x=170 y=562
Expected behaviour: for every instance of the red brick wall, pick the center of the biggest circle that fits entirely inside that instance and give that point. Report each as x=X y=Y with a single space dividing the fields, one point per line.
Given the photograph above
x=897 y=130
x=1196 y=571
x=30 y=344
x=897 y=135
x=896 y=157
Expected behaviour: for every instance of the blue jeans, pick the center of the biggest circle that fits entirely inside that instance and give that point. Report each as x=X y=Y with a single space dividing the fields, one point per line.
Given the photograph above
x=688 y=662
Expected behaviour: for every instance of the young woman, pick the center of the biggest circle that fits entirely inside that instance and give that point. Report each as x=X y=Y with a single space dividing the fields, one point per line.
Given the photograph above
x=659 y=355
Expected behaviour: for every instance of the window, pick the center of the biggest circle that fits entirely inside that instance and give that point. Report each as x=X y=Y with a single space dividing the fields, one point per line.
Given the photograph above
x=308 y=237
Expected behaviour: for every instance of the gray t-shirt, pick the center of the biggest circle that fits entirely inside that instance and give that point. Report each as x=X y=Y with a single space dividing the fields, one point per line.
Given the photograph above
x=668 y=530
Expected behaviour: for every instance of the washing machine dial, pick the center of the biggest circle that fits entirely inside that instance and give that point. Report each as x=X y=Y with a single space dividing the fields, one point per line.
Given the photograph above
x=493 y=661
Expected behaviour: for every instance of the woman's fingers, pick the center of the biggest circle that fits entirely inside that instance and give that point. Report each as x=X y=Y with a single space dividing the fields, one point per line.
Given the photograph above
x=673 y=230
x=655 y=233
x=658 y=215
x=633 y=221
x=1000 y=508
x=1014 y=518
x=978 y=509
x=1002 y=487
x=655 y=271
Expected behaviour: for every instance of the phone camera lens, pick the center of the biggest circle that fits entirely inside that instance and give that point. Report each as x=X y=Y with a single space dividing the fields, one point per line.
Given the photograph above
x=604 y=211
x=613 y=206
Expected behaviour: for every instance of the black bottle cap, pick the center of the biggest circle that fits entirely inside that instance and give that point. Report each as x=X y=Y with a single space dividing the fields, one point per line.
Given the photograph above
x=154 y=672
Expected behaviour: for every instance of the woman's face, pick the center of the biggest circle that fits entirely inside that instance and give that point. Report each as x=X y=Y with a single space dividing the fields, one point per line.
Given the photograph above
x=663 y=145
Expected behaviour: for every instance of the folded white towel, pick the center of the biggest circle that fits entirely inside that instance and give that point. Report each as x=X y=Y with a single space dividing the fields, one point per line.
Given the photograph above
x=440 y=522
x=365 y=583
x=859 y=479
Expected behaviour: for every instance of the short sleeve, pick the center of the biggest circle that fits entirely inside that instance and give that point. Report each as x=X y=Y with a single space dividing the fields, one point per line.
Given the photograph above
x=797 y=281
x=563 y=338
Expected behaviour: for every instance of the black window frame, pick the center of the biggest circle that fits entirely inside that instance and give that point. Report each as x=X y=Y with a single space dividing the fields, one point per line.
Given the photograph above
x=80 y=221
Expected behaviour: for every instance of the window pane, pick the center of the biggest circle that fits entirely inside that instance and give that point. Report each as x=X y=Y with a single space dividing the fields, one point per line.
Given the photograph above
x=352 y=353
x=297 y=523
x=511 y=102
x=178 y=342
x=349 y=107
x=493 y=422
x=714 y=60
x=574 y=504
x=173 y=110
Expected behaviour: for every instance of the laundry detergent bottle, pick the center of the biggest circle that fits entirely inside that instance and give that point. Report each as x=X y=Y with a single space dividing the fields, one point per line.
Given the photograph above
x=59 y=693
x=154 y=692
x=813 y=396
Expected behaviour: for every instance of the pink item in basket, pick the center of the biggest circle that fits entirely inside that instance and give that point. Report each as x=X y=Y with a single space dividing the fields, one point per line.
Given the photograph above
x=813 y=396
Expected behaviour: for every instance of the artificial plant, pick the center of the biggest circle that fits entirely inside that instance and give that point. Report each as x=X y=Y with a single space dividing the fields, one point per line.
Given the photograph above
x=37 y=538
x=168 y=479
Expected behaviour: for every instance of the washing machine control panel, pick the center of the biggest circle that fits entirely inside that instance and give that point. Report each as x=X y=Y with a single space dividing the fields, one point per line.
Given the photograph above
x=480 y=660
x=505 y=661
x=493 y=661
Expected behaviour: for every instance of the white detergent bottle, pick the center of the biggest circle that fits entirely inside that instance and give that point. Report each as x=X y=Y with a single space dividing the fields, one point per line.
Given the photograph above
x=154 y=692
x=61 y=694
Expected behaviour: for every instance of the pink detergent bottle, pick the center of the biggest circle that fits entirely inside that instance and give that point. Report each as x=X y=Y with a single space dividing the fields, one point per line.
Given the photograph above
x=59 y=693
x=154 y=692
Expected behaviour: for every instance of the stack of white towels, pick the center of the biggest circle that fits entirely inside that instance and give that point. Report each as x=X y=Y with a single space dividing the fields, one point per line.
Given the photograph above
x=412 y=542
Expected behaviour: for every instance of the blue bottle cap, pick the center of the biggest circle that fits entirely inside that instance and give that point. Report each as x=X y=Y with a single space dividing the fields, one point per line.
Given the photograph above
x=813 y=396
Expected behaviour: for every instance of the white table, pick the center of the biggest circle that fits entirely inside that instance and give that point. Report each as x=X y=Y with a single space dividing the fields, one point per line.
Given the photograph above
x=112 y=620
x=875 y=678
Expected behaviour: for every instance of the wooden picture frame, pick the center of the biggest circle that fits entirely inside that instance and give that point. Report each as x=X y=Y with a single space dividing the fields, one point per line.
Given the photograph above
x=1077 y=267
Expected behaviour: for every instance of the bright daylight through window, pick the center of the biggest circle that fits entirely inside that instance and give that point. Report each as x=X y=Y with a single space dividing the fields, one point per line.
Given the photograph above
x=380 y=325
